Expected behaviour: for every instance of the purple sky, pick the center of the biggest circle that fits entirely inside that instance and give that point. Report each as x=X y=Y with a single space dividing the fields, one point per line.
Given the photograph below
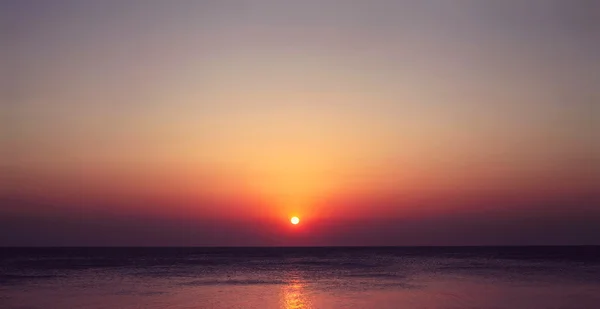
x=376 y=122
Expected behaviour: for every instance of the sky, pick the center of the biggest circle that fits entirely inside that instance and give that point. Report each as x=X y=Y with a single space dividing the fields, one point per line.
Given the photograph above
x=211 y=123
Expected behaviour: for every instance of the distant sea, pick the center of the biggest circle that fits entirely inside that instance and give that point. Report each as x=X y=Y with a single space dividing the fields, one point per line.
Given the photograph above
x=323 y=277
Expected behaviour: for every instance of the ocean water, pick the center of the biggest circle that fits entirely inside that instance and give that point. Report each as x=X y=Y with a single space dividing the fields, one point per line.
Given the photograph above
x=390 y=277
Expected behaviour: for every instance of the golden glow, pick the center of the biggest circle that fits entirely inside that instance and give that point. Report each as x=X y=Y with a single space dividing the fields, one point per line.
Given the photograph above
x=229 y=127
x=295 y=220
x=293 y=296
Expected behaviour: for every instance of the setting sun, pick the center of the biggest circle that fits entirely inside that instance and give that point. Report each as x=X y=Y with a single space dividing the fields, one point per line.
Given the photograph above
x=295 y=220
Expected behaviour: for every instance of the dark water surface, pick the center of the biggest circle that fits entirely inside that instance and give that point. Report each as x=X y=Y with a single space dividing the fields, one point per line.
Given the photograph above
x=335 y=277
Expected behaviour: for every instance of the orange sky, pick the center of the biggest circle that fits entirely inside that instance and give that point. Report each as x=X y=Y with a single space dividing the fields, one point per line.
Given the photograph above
x=322 y=110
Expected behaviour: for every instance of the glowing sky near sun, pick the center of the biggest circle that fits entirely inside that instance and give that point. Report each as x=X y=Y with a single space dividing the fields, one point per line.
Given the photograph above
x=260 y=110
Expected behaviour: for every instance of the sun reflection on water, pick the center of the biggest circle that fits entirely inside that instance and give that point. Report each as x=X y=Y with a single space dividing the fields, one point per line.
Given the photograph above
x=293 y=295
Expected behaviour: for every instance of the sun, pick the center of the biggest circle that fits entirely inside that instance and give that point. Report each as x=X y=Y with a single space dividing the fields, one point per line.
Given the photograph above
x=295 y=220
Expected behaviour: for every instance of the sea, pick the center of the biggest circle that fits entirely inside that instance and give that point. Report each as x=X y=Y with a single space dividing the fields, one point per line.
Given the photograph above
x=301 y=277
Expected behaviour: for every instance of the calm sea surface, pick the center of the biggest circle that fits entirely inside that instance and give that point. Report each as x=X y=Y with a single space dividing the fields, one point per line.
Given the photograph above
x=398 y=277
